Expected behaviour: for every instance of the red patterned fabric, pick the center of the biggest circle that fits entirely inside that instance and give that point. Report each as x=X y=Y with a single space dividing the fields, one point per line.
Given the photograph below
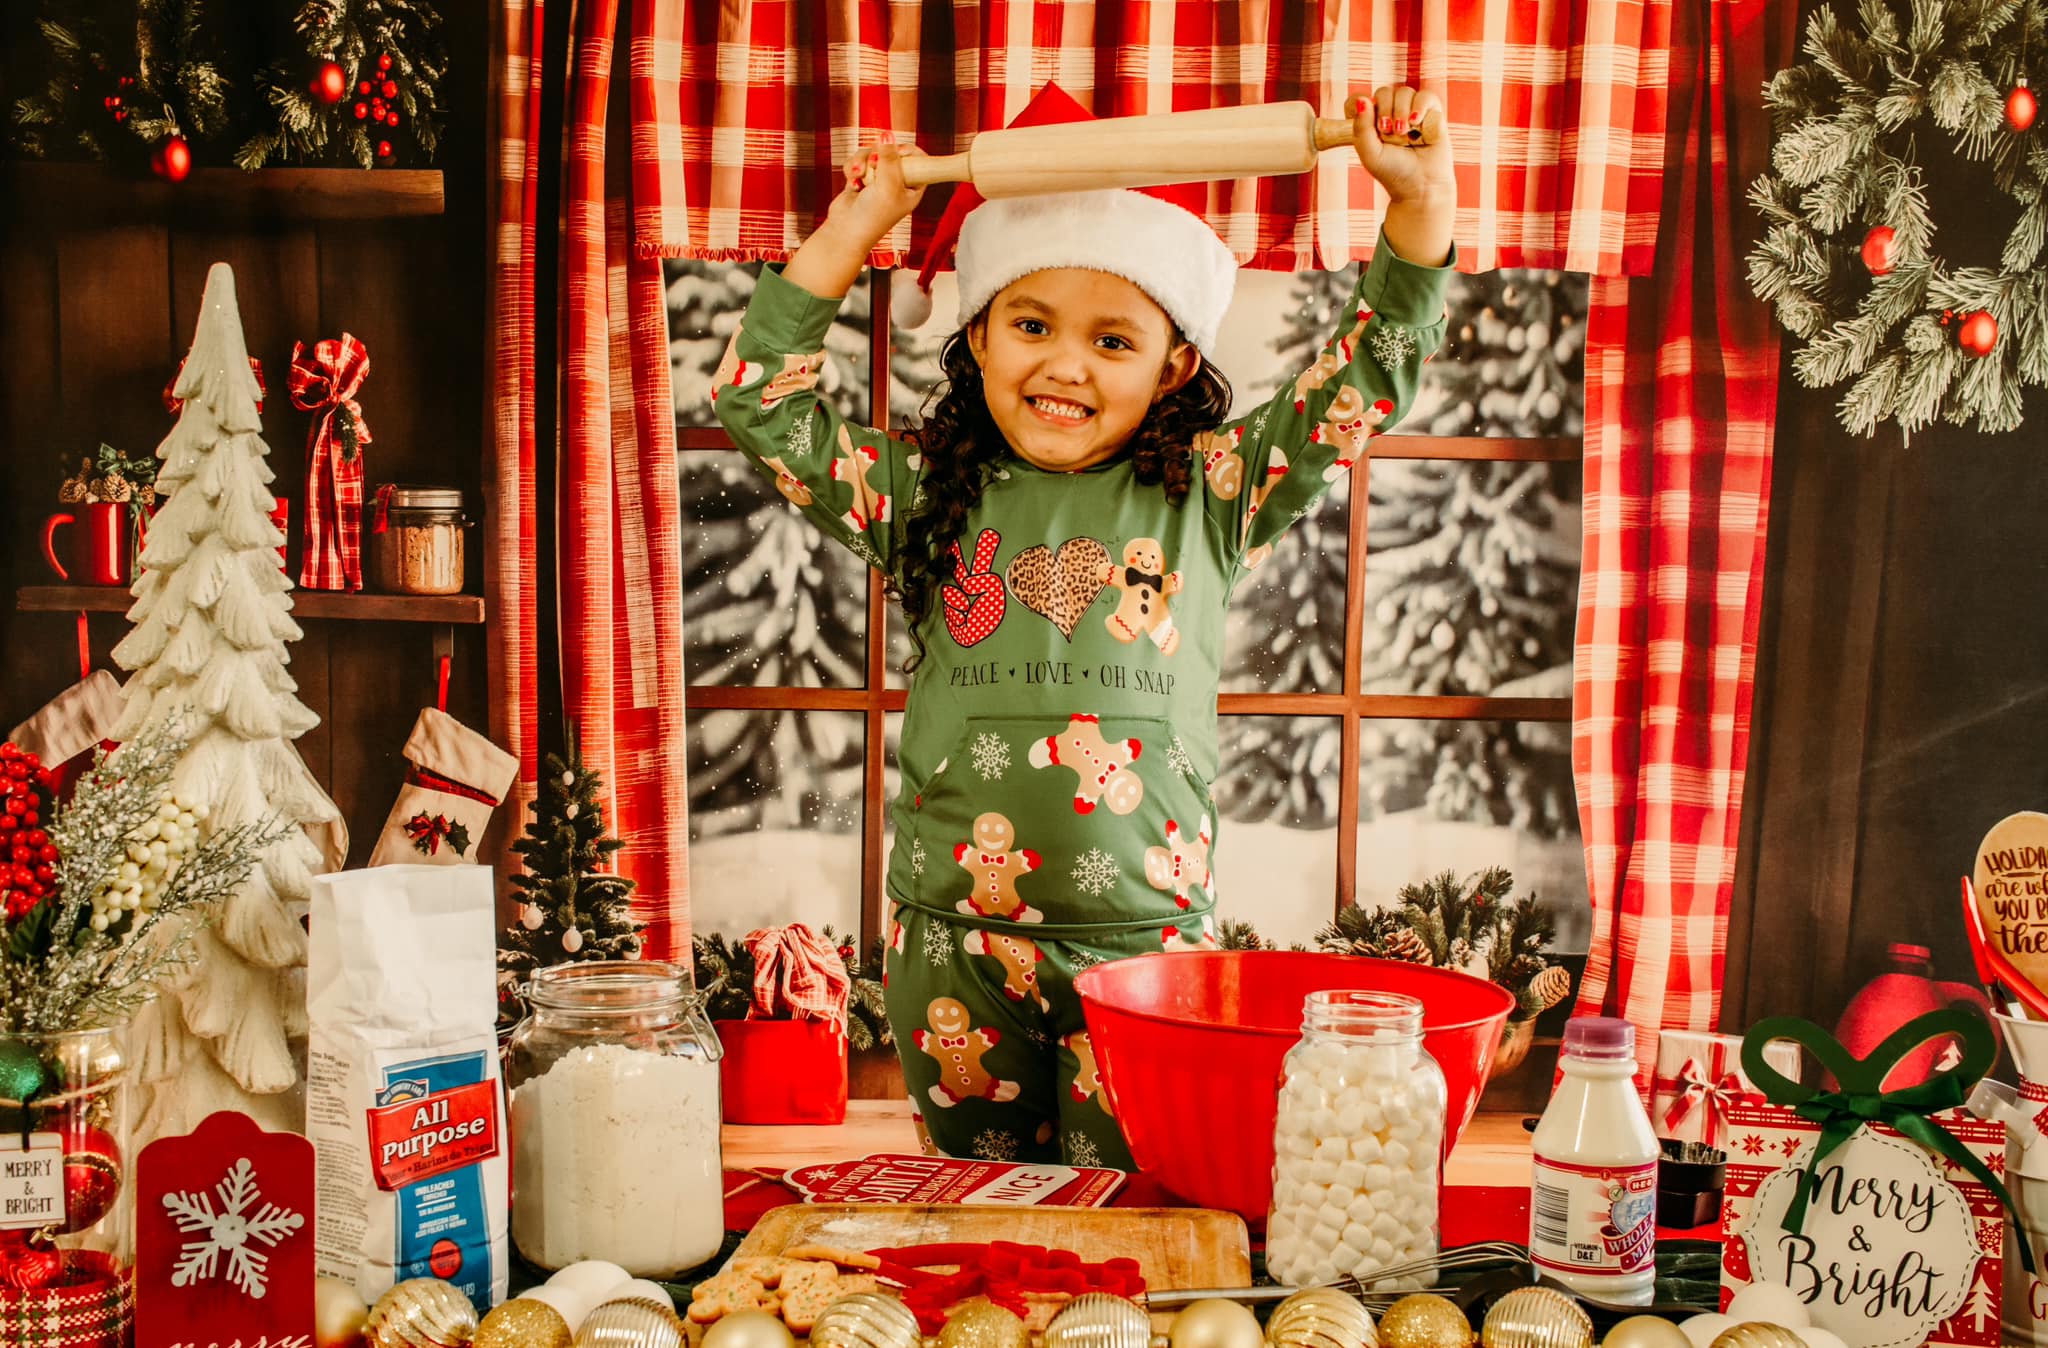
x=742 y=113
x=1681 y=387
x=617 y=513
x=326 y=384
x=798 y=975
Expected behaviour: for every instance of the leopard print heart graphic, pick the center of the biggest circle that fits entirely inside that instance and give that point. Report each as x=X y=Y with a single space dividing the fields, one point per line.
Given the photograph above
x=1059 y=585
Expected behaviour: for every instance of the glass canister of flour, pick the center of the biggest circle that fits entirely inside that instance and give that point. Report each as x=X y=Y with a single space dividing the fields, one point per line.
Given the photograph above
x=416 y=540
x=613 y=1077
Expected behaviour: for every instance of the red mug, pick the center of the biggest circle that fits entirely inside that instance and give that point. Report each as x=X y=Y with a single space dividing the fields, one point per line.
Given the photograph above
x=103 y=552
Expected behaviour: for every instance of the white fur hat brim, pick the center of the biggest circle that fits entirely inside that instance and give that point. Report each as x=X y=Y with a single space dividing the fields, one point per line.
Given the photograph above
x=1167 y=252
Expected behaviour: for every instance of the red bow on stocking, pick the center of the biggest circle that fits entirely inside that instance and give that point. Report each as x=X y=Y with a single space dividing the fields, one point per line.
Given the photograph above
x=797 y=969
x=429 y=831
x=326 y=385
x=1715 y=1087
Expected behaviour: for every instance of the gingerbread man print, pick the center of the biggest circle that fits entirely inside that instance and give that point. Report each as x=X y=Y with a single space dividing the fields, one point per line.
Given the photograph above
x=996 y=868
x=958 y=1047
x=1347 y=425
x=789 y=484
x=1182 y=864
x=1329 y=361
x=732 y=371
x=1276 y=468
x=1102 y=768
x=852 y=467
x=1145 y=583
x=1087 y=1080
x=798 y=373
x=1019 y=957
x=1202 y=937
x=1222 y=465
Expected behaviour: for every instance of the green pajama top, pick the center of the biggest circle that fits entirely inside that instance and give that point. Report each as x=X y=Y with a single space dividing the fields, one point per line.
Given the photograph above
x=1060 y=736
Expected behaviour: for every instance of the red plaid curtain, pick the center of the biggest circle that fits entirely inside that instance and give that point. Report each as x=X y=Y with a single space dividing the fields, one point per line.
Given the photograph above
x=1681 y=390
x=617 y=529
x=742 y=113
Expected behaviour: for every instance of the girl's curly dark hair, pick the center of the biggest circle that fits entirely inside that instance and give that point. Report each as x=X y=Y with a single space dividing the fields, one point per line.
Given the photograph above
x=962 y=446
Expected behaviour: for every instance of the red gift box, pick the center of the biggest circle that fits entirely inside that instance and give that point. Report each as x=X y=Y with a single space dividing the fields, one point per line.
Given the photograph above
x=782 y=1071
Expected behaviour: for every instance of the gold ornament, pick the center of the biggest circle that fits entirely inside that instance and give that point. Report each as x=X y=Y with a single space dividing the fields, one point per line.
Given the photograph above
x=1215 y=1323
x=981 y=1323
x=1537 y=1317
x=524 y=1323
x=1757 y=1334
x=1321 y=1317
x=338 y=1314
x=1423 y=1320
x=741 y=1329
x=866 y=1320
x=420 y=1313
x=1646 y=1331
x=1099 y=1320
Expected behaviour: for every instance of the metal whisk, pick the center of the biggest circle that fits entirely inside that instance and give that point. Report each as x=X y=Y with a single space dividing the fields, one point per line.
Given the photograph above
x=1483 y=1255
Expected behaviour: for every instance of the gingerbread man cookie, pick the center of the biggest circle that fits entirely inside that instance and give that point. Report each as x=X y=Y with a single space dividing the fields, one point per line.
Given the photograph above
x=1276 y=468
x=788 y=483
x=1019 y=957
x=1087 y=1081
x=959 y=1048
x=1202 y=937
x=851 y=467
x=1347 y=425
x=996 y=868
x=1145 y=583
x=1102 y=768
x=1329 y=361
x=798 y=373
x=732 y=371
x=1182 y=864
x=1222 y=465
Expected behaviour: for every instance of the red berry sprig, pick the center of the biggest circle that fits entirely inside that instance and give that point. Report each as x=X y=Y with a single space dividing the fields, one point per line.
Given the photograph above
x=28 y=860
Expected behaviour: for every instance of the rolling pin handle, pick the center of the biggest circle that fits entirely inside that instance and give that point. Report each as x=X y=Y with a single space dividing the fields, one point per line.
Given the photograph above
x=924 y=170
x=1334 y=132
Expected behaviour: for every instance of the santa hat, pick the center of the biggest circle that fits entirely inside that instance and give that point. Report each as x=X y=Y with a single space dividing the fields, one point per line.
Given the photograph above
x=1153 y=237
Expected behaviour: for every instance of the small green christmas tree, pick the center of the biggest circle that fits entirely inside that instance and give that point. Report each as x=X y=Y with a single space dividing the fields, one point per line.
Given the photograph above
x=570 y=908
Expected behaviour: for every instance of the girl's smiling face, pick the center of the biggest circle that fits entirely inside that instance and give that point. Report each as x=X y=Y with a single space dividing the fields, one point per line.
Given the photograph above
x=1072 y=361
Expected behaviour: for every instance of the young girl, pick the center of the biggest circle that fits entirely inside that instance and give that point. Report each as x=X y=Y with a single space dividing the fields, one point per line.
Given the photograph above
x=1064 y=536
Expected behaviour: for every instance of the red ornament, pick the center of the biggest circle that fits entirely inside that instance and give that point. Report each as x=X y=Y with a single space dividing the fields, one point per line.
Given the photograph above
x=92 y=1176
x=1978 y=336
x=2020 y=106
x=172 y=160
x=27 y=1261
x=390 y=89
x=330 y=83
x=383 y=149
x=1877 y=249
x=362 y=110
x=384 y=61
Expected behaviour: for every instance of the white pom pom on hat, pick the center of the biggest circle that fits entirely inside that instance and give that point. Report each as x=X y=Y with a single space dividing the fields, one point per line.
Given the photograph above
x=1153 y=237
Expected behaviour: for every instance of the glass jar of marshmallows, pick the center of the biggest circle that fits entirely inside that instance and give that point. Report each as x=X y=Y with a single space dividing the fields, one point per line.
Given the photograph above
x=1357 y=1142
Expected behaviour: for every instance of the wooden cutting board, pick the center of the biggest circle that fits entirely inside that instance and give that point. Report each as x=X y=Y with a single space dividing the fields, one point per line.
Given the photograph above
x=1174 y=1247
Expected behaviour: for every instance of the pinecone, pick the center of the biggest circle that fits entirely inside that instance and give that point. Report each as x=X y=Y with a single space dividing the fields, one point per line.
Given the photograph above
x=1551 y=986
x=116 y=489
x=146 y=494
x=1406 y=945
x=72 y=492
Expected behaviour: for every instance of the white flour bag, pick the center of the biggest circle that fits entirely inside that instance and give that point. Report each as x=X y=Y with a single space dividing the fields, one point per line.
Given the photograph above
x=403 y=1101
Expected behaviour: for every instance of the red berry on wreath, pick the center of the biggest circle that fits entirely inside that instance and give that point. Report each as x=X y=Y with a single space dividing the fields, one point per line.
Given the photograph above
x=384 y=61
x=172 y=161
x=2020 y=106
x=366 y=88
x=391 y=119
x=383 y=149
x=390 y=89
x=362 y=110
x=1978 y=336
x=330 y=83
x=1877 y=249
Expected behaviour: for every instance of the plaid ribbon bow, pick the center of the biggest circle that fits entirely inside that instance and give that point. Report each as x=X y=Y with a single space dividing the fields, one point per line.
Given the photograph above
x=1716 y=1087
x=797 y=974
x=326 y=385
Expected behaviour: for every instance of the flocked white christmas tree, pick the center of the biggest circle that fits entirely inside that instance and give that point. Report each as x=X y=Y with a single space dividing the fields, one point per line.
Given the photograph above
x=211 y=622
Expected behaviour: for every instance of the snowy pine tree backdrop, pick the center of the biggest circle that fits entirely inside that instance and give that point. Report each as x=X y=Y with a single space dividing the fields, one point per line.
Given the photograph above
x=1471 y=574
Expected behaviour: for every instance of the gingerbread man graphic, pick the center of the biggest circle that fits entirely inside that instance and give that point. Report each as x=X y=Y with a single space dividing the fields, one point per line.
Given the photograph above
x=1145 y=583
x=1347 y=425
x=1102 y=768
x=958 y=1047
x=1019 y=957
x=1203 y=937
x=852 y=467
x=732 y=371
x=798 y=373
x=789 y=484
x=1329 y=361
x=1087 y=1081
x=1182 y=864
x=1276 y=468
x=1222 y=465
x=996 y=868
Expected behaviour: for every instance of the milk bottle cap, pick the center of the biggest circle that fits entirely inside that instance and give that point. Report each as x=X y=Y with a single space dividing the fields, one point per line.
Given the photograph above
x=1602 y=1038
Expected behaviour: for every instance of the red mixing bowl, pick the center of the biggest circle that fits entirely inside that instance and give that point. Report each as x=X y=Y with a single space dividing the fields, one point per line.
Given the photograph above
x=1189 y=1047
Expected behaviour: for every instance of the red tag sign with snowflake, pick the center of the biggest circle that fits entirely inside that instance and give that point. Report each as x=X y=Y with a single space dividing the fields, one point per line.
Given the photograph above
x=224 y=1237
x=891 y=1177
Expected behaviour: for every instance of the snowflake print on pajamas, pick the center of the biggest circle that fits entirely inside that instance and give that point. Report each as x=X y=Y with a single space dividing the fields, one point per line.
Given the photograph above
x=1391 y=345
x=991 y=756
x=1080 y=1149
x=860 y=547
x=231 y=1231
x=799 y=442
x=1083 y=959
x=993 y=1144
x=1177 y=756
x=938 y=945
x=1096 y=872
x=917 y=856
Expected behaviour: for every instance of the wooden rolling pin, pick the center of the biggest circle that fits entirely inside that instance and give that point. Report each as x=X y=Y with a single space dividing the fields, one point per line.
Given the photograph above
x=1169 y=147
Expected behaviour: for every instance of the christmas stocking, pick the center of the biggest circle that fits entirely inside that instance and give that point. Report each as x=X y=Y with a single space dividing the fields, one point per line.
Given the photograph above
x=456 y=779
x=65 y=732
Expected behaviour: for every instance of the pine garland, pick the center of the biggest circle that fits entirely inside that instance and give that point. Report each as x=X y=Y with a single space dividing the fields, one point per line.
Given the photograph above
x=1449 y=923
x=725 y=970
x=1851 y=123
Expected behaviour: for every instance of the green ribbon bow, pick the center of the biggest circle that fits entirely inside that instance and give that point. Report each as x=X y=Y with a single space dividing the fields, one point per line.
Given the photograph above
x=1862 y=1099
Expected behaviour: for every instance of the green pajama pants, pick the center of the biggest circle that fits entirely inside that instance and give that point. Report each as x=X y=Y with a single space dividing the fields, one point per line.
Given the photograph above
x=994 y=1046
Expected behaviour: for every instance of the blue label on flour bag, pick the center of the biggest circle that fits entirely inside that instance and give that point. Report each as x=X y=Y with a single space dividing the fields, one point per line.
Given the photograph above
x=443 y=1219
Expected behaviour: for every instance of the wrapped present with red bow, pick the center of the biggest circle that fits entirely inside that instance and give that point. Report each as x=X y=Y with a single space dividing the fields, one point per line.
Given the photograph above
x=1699 y=1078
x=325 y=382
x=786 y=1062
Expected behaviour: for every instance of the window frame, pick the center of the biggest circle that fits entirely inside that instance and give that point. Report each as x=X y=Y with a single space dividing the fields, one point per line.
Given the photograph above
x=1352 y=707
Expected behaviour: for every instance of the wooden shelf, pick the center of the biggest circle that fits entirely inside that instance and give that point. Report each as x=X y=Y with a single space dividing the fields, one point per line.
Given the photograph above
x=82 y=195
x=324 y=605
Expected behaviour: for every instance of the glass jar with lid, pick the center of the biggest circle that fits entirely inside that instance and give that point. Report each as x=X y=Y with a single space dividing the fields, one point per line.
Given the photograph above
x=416 y=540
x=1357 y=1141
x=613 y=1079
